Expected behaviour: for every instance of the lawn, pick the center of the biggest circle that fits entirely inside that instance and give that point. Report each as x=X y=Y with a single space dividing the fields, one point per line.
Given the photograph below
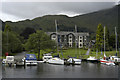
x=79 y=53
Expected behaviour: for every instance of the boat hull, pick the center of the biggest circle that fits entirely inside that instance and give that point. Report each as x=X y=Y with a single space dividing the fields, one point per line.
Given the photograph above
x=103 y=61
x=56 y=61
x=93 y=61
x=74 y=61
x=31 y=63
x=110 y=63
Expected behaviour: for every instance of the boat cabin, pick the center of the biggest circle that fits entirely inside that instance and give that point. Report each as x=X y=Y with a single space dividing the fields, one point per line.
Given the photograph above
x=46 y=57
x=30 y=57
x=115 y=59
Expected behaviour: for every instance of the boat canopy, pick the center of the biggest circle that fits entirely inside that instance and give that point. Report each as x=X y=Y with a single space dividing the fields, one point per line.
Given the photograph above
x=30 y=57
x=56 y=56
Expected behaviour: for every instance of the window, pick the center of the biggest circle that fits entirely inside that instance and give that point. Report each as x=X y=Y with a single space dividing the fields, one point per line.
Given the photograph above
x=70 y=40
x=70 y=37
x=70 y=45
x=80 y=37
x=80 y=40
x=80 y=45
x=54 y=36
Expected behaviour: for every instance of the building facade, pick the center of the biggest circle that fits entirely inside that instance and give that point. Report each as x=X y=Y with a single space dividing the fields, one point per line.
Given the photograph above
x=70 y=39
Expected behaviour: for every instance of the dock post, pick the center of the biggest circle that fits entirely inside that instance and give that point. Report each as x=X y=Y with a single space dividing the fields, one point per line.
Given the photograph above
x=24 y=63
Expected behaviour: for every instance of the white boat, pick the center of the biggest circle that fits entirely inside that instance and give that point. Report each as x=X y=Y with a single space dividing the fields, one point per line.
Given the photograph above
x=56 y=61
x=74 y=61
x=8 y=60
x=103 y=61
x=91 y=58
x=115 y=59
x=110 y=63
x=46 y=57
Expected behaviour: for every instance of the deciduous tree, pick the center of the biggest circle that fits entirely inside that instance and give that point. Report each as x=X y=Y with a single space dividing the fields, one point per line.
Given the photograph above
x=39 y=41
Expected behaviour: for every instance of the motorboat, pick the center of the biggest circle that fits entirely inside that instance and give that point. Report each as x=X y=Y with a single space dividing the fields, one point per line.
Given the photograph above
x=30 y=60
x=8 y=60
x=55 y=60
x=74 y=61
x=92 y=59
x=46 y=57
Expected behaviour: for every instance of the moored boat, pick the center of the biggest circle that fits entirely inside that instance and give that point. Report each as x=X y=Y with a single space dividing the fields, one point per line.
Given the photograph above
x=110 y=63
x=74 y=61
x=92 y=59
x=56 y=60
x=30 y=60
x=46 y=57
x=103 y=61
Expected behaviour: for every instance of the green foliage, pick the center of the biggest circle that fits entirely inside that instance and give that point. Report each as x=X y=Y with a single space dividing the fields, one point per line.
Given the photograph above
x=11 y=43
x=112 y=41
x=39 y=41
x=7 y=28
x=107 y=39
x=99 y=37
x=27 y=32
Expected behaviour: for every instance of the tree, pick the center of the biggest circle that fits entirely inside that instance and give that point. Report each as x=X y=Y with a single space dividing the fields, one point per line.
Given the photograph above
x=12 y=44
x=10 y=41
x=112 y=41
x=39 y=41
x=7 y=28
x=107 y=39
x=27 y=32
x=99 y=37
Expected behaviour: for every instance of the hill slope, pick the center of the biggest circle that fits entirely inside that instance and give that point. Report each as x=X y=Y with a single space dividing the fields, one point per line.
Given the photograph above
x=86 y=23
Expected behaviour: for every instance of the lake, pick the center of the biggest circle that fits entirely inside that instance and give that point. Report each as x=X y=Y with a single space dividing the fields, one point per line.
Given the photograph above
x=44 y=70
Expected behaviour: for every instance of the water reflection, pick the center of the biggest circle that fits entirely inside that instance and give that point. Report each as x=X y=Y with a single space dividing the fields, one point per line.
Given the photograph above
x=44 y=70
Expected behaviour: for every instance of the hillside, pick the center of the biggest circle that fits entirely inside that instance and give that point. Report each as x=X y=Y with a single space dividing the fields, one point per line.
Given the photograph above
x=86 y=23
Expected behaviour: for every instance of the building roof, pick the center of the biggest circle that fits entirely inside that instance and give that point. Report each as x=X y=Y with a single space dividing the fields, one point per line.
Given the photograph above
x=66 y=33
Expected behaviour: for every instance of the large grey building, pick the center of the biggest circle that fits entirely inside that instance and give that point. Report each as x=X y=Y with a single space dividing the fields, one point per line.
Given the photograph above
x=70 y=39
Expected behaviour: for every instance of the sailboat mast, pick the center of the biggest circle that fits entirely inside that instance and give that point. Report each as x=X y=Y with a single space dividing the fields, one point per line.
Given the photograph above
x=75 y=39
x=116 y=38
x=104 y=39
x=56 y=35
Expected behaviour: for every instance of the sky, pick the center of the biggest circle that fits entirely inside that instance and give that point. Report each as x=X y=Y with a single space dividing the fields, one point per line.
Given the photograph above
x=17 y=10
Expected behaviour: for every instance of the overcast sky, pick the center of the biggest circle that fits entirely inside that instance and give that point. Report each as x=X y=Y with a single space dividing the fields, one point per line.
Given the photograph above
x=12 y=10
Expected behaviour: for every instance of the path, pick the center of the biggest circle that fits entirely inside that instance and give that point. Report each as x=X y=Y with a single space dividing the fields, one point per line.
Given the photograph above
x=20 y=55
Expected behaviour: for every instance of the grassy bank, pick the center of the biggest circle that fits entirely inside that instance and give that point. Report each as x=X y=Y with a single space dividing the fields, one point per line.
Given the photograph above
x=79 y=53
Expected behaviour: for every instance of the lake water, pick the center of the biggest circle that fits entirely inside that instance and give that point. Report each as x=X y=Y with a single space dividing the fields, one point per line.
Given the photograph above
x=44 y=70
